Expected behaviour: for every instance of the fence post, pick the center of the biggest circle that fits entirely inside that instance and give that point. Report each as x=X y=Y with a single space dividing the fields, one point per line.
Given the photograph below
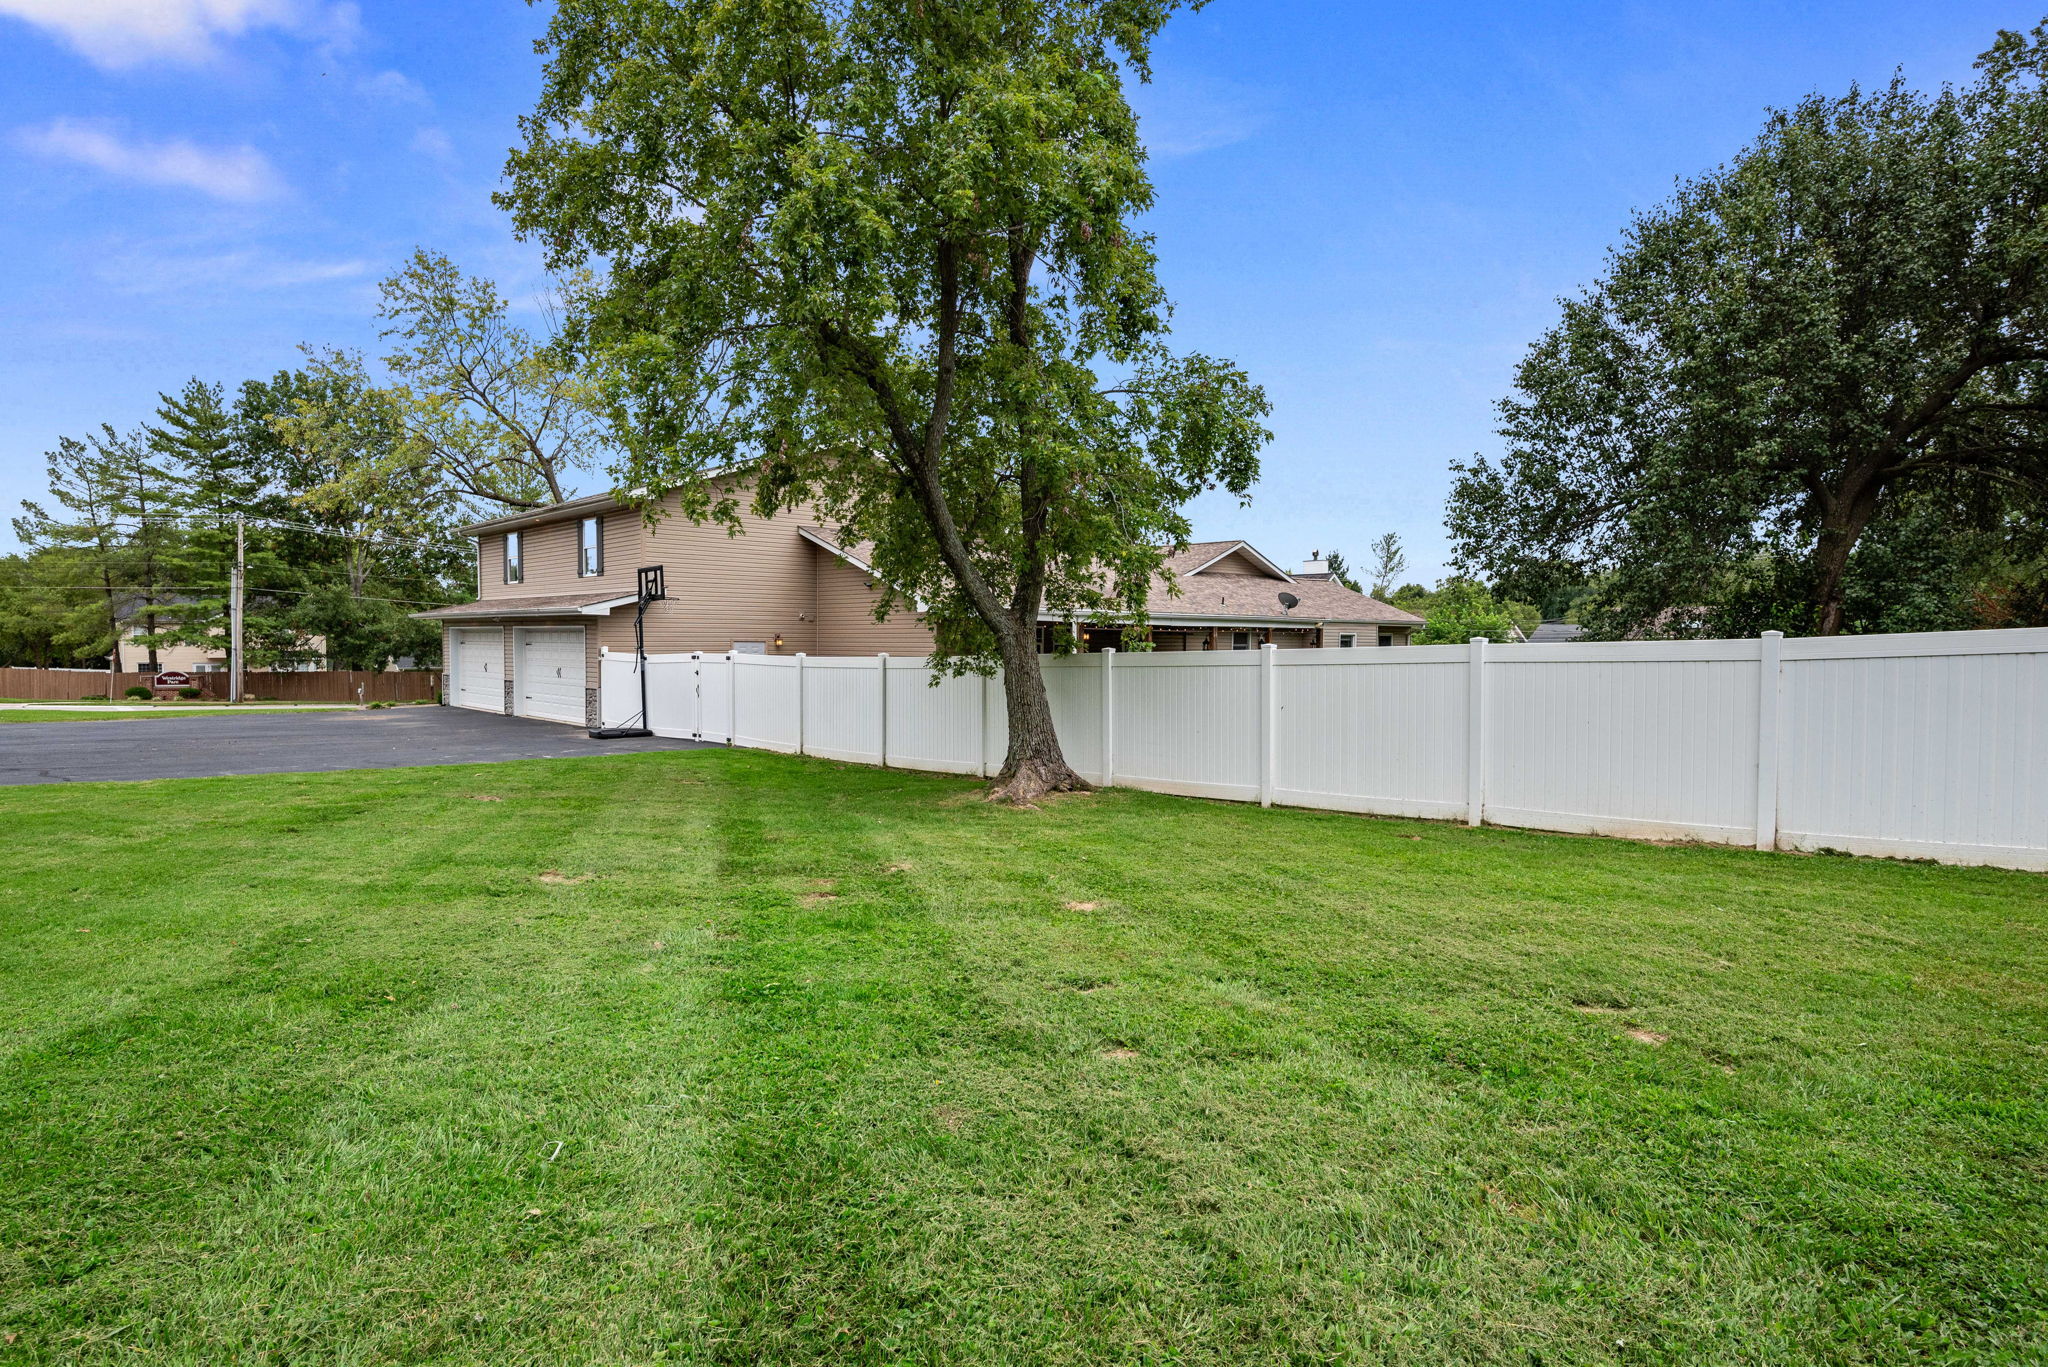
x=732 y=697
x=1109 y=717
x=1475 y=737
x=981 y=758
x=1269 y=716
x=1769 y=702
x=799 y=702
x=882 y=693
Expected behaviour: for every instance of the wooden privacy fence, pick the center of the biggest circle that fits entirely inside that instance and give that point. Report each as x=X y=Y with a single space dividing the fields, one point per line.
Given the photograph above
x=326 y=685
x=1930 y=745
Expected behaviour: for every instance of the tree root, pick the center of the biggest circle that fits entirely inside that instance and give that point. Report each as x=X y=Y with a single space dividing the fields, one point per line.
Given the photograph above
x=1032 y=779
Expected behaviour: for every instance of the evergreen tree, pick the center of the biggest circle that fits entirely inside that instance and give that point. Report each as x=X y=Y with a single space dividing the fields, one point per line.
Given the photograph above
x=147 y=505
x=80 y=550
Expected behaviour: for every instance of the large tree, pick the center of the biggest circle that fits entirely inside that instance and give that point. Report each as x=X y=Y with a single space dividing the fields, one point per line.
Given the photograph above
x=1800 y=354
x=884 y=254
x=378 y=527
x=500 y=415
x=81 y=544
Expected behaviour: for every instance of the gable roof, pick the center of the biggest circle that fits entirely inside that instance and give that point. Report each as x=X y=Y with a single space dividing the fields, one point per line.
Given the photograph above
x=1213 y=595
x=1251 y=595
x=1200 y=555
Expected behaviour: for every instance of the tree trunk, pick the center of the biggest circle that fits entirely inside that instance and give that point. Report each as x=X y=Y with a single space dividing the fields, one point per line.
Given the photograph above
x=1843 y=522
x=1034 y=766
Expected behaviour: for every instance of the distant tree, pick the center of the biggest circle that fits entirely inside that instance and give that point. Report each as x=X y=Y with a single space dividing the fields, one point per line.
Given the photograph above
x=1460 y=609
x=892 y=256
x=36 y=605
x=1339 y=571
x=382 y=526
x=504 y=417
x=80 y=545
x=1388 y=560
x=147 y=502
x=1847 y=321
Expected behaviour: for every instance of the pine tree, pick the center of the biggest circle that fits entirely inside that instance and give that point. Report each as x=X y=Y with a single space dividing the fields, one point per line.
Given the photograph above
x=82 y=550
x=201 y=444
x=147 y=504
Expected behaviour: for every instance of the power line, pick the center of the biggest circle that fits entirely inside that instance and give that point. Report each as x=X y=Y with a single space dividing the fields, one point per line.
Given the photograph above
x=216 y=519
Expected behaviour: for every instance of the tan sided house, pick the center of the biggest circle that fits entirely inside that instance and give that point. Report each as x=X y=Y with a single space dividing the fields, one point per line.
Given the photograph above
x=558 y=585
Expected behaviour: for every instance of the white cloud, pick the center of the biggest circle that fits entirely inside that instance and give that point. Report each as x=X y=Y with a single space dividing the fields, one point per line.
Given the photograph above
x=435 y=143
x=240 y=175
x=392 y=88
x=123 y=33
x=1180 y=116
x=151 y=271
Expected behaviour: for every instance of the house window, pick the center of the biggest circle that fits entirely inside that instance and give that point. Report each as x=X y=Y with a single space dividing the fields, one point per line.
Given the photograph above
x=1386 y=638
x=590 y=548
x=1346 y=641
x=514 y=571
x=1240 y=640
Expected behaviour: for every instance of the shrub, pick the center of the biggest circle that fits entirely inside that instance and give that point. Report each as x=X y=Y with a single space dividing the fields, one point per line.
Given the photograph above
x=188 y=693
x=137 y=691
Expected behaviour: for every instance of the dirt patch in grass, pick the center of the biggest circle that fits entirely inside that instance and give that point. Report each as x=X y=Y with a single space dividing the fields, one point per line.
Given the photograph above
x=1080 y=906
x=1084 y=986
x=556 y=878
x=485 y=797
x=1119 y=1054
x=1637 y=1032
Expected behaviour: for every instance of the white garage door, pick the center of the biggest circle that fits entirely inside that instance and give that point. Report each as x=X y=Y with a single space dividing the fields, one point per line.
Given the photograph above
x=480 y=669
x=550 y=677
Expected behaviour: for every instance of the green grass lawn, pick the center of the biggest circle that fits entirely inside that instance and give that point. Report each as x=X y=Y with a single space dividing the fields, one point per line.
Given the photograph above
x=720 y=1056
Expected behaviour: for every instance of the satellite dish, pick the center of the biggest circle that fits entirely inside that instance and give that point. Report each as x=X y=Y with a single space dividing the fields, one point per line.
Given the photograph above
x=1289 y=601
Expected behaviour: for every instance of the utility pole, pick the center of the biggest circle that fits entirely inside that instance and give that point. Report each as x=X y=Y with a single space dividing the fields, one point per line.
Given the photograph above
x=235 y=664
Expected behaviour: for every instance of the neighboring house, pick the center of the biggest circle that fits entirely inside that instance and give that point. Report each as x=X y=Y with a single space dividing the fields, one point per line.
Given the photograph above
x=1225 y=595
x=557 y=586
x=1548 y=632
x=211 y=658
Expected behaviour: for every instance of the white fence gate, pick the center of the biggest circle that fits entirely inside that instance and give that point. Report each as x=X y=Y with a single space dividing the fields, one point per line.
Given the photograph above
x=1932 y=745
x=689 y=697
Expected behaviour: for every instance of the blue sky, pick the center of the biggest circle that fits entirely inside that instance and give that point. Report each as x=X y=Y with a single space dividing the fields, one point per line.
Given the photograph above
x=1372 y=207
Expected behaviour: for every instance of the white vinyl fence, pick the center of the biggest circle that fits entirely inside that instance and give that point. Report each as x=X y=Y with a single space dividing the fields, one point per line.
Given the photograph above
x=1929 y=746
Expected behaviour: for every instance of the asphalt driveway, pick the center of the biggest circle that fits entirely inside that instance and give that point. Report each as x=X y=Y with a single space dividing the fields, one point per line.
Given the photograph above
x=216 y=744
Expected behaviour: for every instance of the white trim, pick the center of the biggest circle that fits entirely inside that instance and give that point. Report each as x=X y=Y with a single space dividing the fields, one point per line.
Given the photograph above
x=850 y=558
x=484 y=613
x=1997 y=856
x=2003 y=641
x=1233 y=549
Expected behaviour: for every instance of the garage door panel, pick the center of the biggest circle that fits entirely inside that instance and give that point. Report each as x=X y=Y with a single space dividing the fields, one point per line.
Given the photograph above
x=480 y=668
x=550 y=679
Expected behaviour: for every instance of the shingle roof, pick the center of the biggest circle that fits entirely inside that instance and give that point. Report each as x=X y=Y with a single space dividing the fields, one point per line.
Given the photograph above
x=1557 y=631
x=539 y=606
x=1254 y=595
x=1198 y=553
x=1214 y=593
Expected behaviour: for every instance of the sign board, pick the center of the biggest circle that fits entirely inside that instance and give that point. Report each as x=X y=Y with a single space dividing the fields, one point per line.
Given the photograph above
x=172 y=678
